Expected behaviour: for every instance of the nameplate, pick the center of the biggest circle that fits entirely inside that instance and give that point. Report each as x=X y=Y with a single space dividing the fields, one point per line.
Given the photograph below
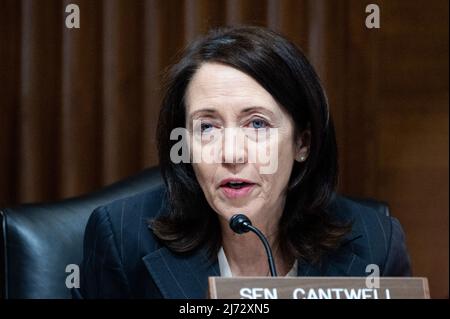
x=318 y=288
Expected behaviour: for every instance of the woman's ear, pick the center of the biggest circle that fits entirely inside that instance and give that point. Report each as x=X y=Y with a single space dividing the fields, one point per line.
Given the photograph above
x=303 y=143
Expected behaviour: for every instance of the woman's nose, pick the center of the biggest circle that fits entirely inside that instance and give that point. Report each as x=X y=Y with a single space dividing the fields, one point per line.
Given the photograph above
x=234 y=149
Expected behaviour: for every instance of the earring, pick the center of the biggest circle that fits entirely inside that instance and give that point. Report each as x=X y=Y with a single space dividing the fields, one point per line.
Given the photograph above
x=302 y=158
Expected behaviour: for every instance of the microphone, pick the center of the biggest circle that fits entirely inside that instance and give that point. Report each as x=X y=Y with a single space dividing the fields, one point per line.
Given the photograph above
x=240 y=224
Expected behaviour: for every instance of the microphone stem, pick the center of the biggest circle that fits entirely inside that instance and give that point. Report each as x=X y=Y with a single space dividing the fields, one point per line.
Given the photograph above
x=272 y=268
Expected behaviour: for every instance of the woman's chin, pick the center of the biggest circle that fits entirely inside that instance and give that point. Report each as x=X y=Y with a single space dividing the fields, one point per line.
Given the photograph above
x=229 y=211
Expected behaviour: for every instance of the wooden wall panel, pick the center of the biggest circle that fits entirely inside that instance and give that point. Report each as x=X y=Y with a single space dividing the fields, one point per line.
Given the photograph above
x=292 y=18
x=411 y=120
x=246 y=12
x=122 y=83
x=201 y=15
x=165 y=32
x=10 y=34
x=40 y=92
x=81 y=122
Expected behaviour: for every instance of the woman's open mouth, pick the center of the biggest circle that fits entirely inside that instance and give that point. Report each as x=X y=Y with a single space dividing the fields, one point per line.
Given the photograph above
x=234 y=188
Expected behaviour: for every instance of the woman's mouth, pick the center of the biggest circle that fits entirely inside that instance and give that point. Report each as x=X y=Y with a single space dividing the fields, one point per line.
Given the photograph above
x=235 y=188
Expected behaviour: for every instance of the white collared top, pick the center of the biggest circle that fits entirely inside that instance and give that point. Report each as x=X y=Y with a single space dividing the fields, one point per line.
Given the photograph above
x=225 y=270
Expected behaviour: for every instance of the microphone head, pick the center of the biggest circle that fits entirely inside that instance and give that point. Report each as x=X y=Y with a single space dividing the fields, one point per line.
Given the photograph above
x=239 y=223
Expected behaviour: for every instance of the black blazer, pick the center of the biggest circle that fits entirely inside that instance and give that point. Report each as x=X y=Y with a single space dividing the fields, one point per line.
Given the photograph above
x=122 y=258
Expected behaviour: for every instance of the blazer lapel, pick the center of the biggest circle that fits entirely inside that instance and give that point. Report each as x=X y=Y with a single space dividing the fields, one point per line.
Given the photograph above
x=180 y=276
x=343 y=262
x=186 y=276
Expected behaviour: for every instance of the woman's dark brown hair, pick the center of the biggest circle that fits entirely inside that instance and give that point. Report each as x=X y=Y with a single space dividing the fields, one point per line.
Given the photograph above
x=306 y=230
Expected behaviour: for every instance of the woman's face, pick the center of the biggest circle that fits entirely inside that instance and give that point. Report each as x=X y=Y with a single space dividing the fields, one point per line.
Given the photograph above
x=225 y=107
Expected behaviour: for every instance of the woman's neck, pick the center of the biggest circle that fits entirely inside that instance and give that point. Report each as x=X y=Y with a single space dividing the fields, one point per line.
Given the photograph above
x=246 y=255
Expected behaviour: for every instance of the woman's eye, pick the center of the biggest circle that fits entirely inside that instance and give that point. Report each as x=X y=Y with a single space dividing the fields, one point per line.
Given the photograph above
x=258 y=123
x=205 y=127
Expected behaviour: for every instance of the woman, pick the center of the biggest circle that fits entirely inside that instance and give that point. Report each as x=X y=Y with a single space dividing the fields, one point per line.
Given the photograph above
x=238 y=84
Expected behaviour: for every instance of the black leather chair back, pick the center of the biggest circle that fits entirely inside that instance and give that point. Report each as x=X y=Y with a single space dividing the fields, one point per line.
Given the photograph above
x=40 y=240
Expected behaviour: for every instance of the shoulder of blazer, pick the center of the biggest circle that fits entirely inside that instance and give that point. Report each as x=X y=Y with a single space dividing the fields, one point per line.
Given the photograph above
x=370 y=237
x=129 y=219
x=147 y=205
